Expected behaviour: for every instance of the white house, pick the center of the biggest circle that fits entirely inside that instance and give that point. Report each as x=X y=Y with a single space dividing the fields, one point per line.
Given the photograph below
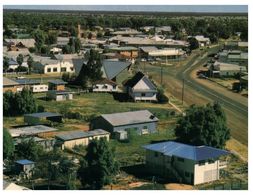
x=39 y=88
x=203 y=41
x=105 y=85
x=141 y=88
x=186 y=163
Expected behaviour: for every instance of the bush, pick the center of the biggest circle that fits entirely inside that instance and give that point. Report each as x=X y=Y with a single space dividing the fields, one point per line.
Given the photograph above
x=161 y=98
x=32 y=49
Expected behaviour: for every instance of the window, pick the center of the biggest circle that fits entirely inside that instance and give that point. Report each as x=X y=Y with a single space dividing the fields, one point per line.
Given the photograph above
x=186 y=174
x=114 y=86
x=71 y=68
x=202 y=162
x=143 y=94
x=104 y=87
x=48 y=69
x=55 y=70
x=145 y=127
x=63 y=69
x=180 y=159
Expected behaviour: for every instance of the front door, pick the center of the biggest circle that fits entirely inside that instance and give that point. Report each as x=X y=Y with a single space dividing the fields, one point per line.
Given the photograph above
x=192 y=178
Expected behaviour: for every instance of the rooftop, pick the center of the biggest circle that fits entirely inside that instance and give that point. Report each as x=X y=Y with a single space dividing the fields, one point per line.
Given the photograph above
x=9 y=82
x=57 y=82
x=81 y=134
x=43 y=114
x=61 y=92
x=196 y=153
x=28 y=81
x=126 y=118
x=112 y=68
x=30 y=130
x=24 y=162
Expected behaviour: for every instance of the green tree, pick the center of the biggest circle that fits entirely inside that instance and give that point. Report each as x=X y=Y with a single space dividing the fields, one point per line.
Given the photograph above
x=8 y=144
x=51 y=38
x=30 y=63
x=194 y=44
x=91 y=71
x=8 y=100
x=99 y=165
x=40 y=38
x=5 y=63
x=66 y=49
x=20 y=59
x=203 y=125
x=29 y=149
x=161 y=97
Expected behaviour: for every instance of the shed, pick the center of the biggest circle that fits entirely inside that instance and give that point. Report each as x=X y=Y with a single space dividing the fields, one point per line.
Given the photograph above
x=61 y=95
x=25 y=166
x=56 y=85
x=71 y=139
x=121 y=135
x=141 y=121
x=42 y=117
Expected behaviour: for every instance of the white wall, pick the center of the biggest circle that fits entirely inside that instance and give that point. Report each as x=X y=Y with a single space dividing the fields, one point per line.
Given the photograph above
x=58 y=66
x=39 y=88
x=100 y=88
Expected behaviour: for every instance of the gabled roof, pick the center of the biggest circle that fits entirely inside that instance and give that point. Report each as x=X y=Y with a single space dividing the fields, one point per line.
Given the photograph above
x=128 y=118
x=196 y=153
x=43 y=114
x=24 y=162
x=137 y=77
x=113 y=68
x=9 y=82
x=81 y=134
x=12 y=62
x=106 y=81
x=28 y=81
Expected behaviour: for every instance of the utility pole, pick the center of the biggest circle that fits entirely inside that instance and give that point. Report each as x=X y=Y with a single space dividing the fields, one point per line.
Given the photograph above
x=183 y=93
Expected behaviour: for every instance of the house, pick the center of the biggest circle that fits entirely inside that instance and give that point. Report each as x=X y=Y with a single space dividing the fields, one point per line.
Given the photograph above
x=203 y=41
x=62 y=41
x=24 y=166
x=126 y=52
x=13 y=186
x=11 y=85
x=163 y=29
x=152 y=53
x=47 y=144
x=142 y=122
x=57 y=84
x=16 y=44
x=141 y=88
x=105 y=85
x=226 y=69
x=185 y=163
x=59 y=95
x=126 y=32
x=39 y=88
x=34 y=130
x=112 y=68
x=12 y=64
x=42 y=117
x=233 y=56
x=71 y=139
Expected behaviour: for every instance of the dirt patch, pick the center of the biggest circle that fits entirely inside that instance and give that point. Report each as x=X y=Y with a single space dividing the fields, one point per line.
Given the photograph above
x=79 y=126
x=238 y=149
x=175 y=186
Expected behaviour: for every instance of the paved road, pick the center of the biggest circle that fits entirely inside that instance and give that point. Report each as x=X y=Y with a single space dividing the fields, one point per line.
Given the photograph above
x=227 y=102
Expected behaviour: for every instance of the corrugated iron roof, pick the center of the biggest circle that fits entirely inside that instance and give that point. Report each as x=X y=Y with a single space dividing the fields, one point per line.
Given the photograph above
x=57 y=82
x=9 y=82
x=113 y=68
x=196 y=153
x=25 y=162
x=30 y=130
x=81 y=134
x=128 y=118
x=43 y=114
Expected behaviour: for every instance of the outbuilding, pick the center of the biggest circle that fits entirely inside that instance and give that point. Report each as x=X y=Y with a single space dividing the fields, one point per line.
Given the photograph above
x=58 y=85
x=71 y=139
x=42 y=118
x=105 y=85
x=25 y=166
x=59 y=95
x=141 y=121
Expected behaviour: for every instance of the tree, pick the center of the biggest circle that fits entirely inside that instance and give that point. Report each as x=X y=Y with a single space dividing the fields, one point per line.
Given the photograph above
x=5 y=63
x=20 y=59
x=99 y=165
x=91 y=71
x=30 y=63
x=8 y=99
x=194 y=44
x=40 y=38
x=161 y=97
x=8 y=144
x=203 y=125
x=51 y=38
x=29 y=149
x=66 y=49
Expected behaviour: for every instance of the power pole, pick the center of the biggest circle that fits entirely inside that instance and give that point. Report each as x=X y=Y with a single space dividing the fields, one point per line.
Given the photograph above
x=183 y=93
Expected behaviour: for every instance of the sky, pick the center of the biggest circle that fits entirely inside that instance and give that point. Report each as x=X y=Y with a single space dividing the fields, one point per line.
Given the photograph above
x=149 y=8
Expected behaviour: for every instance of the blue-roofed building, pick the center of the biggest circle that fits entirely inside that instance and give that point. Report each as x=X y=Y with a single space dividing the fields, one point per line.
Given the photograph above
x=24 y=166
x=185 y=163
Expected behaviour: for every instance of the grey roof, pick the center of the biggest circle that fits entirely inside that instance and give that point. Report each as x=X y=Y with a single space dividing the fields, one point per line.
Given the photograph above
x=57 y=82
x=9 y=82
x=124 y=48
x=28 y=81
x=30 y=130
x=62 y=92
x=81 y=134
x=113 y=68
x=43 y=114
x=12 y=62
x=128 y=118
x=148 y=49
x=196 y=153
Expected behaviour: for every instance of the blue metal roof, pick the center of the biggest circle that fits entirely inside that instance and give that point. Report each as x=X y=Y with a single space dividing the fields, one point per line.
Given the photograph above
x=28 y=81
x=24 y=162
x=113 y=68
x=57 y=82
x=195 y=153
x=43 y=114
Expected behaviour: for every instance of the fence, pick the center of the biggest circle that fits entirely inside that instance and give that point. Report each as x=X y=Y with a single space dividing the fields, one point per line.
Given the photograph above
x=233 y=185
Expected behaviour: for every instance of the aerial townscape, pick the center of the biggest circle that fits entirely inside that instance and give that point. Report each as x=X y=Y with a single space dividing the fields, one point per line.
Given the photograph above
x=124 y=100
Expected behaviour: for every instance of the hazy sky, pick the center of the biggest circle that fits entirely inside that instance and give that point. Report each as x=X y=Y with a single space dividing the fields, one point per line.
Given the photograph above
x=153 y=8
